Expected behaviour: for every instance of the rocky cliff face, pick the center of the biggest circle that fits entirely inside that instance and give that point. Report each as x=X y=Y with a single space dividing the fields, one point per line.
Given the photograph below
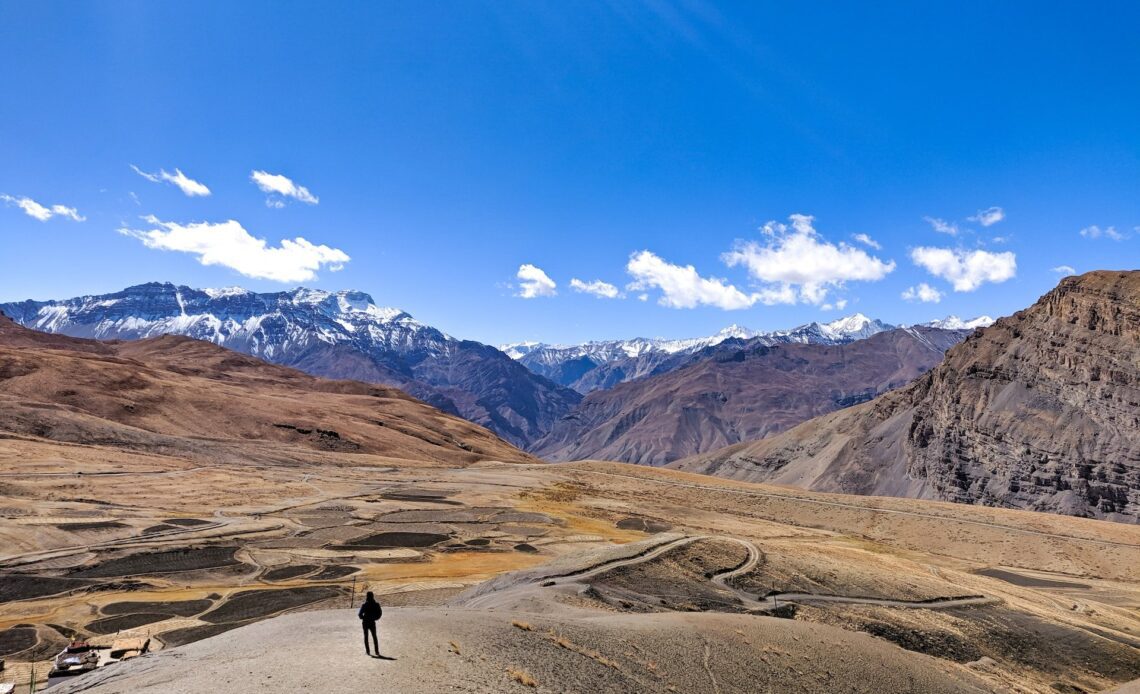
x=1039 y=411
x=332 y=334
x=736 y=391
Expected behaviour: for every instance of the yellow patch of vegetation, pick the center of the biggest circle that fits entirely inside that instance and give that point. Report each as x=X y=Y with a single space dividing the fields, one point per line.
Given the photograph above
x=563 y=642
x=522 y=677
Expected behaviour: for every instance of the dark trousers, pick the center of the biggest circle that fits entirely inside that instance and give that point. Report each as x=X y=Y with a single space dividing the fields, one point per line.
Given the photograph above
x=370 y=628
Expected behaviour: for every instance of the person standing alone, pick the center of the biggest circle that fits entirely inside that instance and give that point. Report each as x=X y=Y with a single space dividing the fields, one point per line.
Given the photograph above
x=369 y=613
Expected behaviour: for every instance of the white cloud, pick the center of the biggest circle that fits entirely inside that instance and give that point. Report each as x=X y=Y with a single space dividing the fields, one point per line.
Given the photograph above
x=942 y=226
x=924 y=293
x=1095 y=232
x=966 y=270
x=682 y=286
x=989 y=216
x=837 y=306
x=643 y=297
x=797 y=264
x=186 y=184
x=534 y=282
x=276 y=184
x=41 y=212
x=867 y=241
x=1065 y=270
x=598 y=288
x=228 y=244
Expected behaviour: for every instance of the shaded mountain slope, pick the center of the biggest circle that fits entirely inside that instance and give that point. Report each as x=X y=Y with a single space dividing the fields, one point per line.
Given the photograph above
x=176 y=395
x=331 y=334
x=738 y=391
x=1039 y=411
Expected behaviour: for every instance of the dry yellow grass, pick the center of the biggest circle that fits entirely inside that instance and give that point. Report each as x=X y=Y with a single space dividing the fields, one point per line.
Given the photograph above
x=522 y=677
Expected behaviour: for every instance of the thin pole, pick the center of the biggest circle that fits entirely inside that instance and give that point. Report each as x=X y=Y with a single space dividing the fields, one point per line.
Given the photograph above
x=352 y=600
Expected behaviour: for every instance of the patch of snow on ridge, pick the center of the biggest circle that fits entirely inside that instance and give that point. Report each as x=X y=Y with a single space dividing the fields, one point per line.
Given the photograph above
x=225 y=291
x=956 y=323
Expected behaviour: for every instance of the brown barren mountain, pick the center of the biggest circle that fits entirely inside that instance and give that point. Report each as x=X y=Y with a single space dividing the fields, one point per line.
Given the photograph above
x=187 y=397
x=739 y=392
x=1039 y=411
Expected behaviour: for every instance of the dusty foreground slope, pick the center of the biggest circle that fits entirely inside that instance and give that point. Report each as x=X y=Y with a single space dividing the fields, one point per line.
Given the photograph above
x=620 y=578
x=437 y=649
x=1039 y=411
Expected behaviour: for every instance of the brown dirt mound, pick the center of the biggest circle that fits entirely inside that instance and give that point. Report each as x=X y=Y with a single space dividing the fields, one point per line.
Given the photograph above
x=180 y=608
x=331 y=573
x=24 y=587
x=286 y=572
x=254 y=604
x=161 y=527
x=181 y=637
x=171 y=561
x=186 y=522
x=645 y=525
x=92 y=525
x=110 y=625
x=13 y=641
x=398 y=539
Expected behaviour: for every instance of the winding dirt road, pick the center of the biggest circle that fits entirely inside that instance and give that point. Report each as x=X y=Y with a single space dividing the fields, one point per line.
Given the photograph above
x=755 y=603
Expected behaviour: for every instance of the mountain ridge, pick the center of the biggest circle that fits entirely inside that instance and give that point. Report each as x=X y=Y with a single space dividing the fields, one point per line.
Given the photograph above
x=737 y=390
x=1038 y=411
x=602 y=364
x=332 y=334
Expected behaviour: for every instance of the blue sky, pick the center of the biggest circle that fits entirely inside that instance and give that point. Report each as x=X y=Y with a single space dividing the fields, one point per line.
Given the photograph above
x=443 y=146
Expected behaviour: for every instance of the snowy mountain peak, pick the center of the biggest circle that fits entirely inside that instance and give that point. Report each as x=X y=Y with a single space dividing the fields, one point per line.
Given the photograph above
x=265 y=325
x=956 y=323
x=735 y=331
x=854 y=327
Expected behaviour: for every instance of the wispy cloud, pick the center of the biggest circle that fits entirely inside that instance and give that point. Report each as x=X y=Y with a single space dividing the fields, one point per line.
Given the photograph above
x=276 y=184
x=868 y=241
x=922 y=292
x=534 y=282
x=837 y=306
x=682 y=286
x=1065 y=270
x=796 y=263
x=186 y=184
x=43 y=212
x=1095 y=232
x=966 y=270
x=228 y=244
x=598 y=288
x=942 y=226
x=989 y=216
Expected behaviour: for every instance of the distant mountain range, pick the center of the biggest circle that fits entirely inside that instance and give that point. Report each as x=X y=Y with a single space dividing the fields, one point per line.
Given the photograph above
x=174 y=397
x=603 y=364
x=333 y=334
x=1038 y=411
x=739 y=390
x=519 y=392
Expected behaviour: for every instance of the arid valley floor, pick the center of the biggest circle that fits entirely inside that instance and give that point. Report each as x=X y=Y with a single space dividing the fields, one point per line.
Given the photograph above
x=171 y=489
x=597 y=583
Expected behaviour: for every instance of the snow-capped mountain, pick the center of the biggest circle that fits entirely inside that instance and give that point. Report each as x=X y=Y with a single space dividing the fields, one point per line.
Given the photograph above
x=335 y=334
x=608 y=350
x=956 y=323
x=606 y=363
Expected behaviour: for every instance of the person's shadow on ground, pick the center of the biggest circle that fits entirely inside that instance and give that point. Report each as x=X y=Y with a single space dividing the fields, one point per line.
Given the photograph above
x=383 y=657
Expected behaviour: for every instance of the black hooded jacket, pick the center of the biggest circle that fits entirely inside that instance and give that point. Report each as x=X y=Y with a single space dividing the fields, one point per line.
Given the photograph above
x=370 y=611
